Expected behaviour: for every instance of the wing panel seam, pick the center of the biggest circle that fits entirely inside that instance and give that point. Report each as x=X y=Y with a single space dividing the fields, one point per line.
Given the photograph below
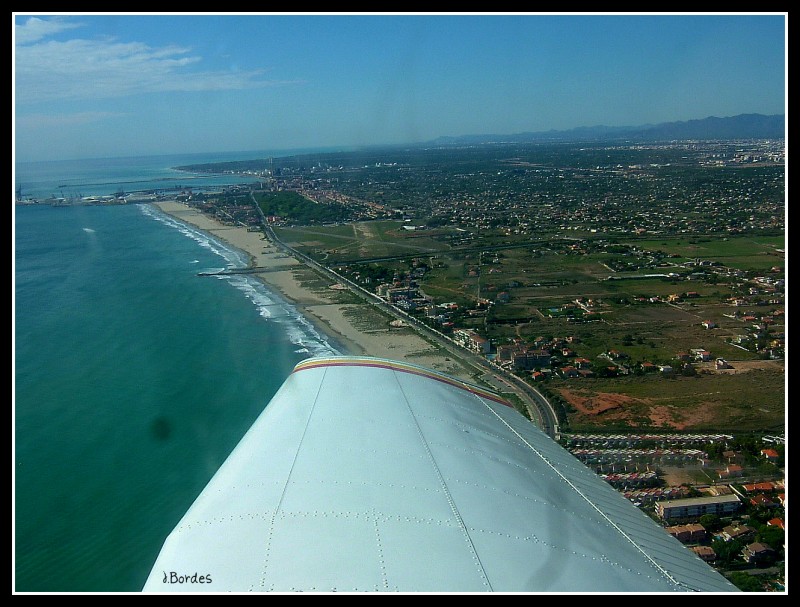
x=583 y=496
x=445 y=489
x=288 y=478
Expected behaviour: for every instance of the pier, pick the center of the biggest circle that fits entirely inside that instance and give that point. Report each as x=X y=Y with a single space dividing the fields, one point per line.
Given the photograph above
x=253 y=270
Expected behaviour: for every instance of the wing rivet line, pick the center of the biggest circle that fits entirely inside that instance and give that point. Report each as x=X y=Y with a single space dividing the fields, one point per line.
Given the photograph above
x=381 y=559
x=572 y=485
x=456 y=514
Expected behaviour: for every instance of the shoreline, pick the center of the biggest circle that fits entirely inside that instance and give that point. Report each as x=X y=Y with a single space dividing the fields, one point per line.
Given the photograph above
x=354 y=327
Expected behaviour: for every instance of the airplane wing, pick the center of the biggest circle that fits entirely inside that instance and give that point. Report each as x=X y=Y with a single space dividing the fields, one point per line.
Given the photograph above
x=369 y=475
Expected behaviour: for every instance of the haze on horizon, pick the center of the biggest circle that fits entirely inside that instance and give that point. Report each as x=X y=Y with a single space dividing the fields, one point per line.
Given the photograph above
x=90 y=85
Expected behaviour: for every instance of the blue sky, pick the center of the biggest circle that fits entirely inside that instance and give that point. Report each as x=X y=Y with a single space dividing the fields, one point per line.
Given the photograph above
x=94 y=85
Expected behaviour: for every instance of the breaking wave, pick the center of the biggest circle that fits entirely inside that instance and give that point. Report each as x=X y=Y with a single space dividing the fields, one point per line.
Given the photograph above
x=271 y=306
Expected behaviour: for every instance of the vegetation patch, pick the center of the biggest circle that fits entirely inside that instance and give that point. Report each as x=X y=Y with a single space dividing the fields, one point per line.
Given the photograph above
x=294 y=207
x=749 y=402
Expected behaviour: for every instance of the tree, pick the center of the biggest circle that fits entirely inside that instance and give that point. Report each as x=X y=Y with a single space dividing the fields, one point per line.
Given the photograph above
x=728 y=552
x=715 y=450
x=774 y=537
x=711 y=522
x=746 y=582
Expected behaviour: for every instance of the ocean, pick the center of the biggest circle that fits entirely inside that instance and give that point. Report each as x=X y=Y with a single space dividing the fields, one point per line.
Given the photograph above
x=106 y=176
x=133 y=376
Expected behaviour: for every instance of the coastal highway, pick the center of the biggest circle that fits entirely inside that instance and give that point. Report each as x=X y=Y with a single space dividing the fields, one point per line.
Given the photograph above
x=538 y=407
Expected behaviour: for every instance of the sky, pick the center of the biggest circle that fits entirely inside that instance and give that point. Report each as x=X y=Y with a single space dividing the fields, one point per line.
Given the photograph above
x=90 y=85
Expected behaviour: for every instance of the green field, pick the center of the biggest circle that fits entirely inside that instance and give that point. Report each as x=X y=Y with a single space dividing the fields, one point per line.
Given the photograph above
x=741 y=252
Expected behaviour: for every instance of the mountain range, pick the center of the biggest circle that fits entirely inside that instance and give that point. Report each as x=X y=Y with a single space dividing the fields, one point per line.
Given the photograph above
x=742 y=126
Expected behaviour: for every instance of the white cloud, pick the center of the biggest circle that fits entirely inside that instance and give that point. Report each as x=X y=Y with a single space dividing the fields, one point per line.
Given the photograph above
x=35 y=29
x=51 y=70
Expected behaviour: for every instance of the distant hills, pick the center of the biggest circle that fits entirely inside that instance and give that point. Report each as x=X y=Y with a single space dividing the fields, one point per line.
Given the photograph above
x=743 y=126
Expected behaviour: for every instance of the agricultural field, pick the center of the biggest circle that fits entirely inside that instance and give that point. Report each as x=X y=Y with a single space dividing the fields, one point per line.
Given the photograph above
x=747 y=253
x=363 y=240
x=630 y=312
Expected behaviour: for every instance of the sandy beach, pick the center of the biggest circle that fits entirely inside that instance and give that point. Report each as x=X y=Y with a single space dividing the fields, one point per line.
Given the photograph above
x=357 y=327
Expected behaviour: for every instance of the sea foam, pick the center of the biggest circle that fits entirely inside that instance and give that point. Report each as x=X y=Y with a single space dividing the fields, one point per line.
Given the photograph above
x=271 y=306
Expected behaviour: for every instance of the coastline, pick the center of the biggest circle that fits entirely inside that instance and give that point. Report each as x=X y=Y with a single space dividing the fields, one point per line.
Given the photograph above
x=353 y=326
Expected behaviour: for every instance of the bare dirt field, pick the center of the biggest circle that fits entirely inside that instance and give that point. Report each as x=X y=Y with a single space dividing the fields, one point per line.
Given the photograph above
x=605 y=407
x=672 y=407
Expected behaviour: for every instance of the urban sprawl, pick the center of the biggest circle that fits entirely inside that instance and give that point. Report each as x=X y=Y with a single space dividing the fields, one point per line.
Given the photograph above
x=640 y=288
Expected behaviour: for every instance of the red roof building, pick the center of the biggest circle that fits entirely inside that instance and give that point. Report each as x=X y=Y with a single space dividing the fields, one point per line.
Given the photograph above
x=761 y=500
x=770 y=454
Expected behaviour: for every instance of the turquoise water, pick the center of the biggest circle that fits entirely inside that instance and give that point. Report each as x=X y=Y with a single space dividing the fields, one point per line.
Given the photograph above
x=133 y=380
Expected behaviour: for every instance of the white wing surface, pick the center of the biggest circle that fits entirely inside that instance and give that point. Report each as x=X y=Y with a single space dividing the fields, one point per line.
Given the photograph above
x=369 y=475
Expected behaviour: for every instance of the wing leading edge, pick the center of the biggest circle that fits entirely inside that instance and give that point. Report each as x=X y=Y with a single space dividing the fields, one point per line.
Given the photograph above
x=367 y=475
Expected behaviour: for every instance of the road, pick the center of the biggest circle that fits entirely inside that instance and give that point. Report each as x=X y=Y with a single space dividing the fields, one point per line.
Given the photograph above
x=538 y=407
